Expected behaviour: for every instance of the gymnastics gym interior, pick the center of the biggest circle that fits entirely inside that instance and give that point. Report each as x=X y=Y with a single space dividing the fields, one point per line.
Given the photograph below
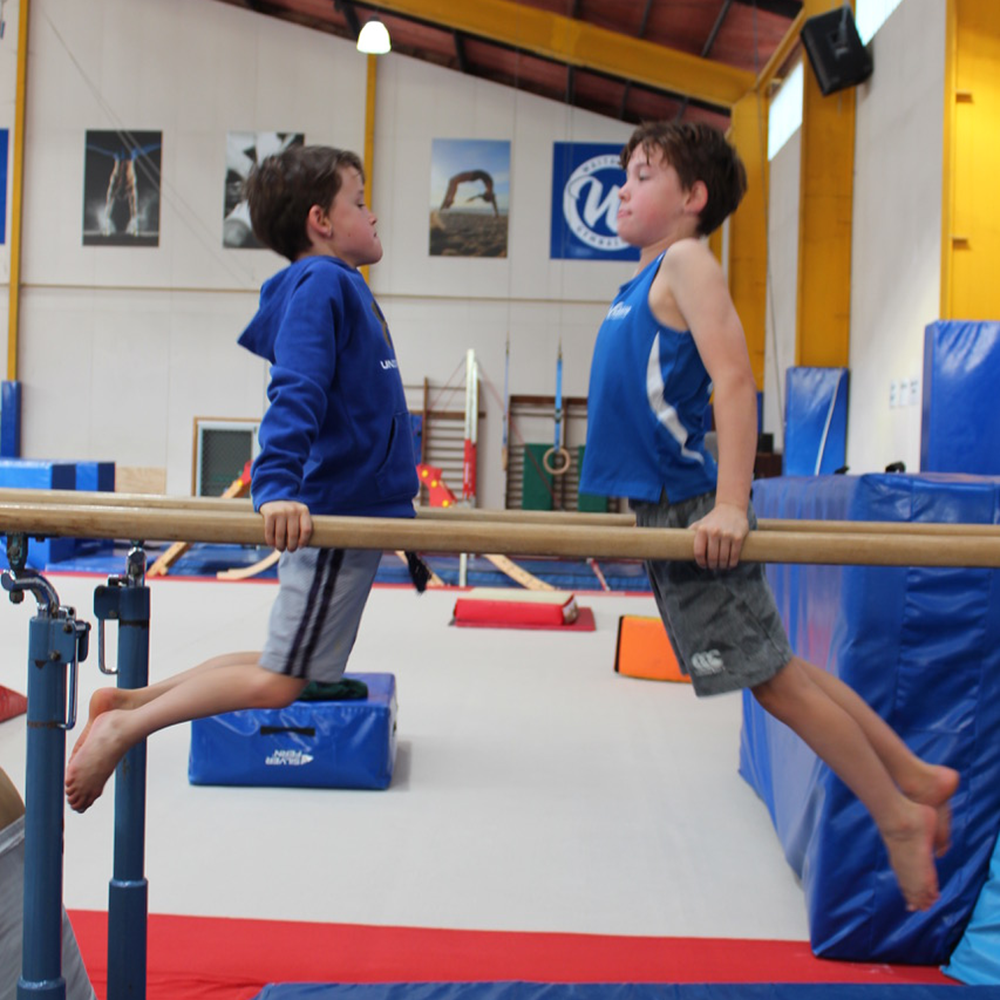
x=518 y=796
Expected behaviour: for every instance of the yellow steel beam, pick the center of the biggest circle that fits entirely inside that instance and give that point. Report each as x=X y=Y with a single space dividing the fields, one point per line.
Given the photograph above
x=823 y=317
x=748 y=228
x=770 y=71
x=971 y=210
x=17 y=191
x=369 y=153
x=577 y=43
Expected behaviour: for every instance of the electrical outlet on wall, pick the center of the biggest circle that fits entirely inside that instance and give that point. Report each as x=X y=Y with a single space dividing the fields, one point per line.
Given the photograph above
x=893 y=394
x=914 y=390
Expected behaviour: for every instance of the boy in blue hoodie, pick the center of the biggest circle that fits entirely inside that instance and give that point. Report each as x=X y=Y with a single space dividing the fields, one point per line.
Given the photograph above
x=335 y=439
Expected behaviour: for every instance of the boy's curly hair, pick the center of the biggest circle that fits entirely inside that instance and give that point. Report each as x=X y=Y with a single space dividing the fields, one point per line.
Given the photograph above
x=698 y=152
x=282 y=189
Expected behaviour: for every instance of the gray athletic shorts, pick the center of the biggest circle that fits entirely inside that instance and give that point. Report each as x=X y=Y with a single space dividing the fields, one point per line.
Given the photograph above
x=723 y=624
x=315 y=618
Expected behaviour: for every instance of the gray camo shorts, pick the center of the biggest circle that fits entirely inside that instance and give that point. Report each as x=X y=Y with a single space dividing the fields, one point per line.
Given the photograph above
x=723 y=624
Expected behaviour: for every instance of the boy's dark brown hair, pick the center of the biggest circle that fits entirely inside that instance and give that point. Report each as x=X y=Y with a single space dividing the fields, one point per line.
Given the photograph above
x=698 y=152
x=283 y=188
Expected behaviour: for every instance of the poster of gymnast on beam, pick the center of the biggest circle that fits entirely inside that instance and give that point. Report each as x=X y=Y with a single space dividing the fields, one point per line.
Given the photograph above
x=244 y=150
x=121 y=189
x=470 y=197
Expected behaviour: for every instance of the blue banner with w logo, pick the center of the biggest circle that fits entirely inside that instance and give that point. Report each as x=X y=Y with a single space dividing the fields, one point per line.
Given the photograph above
x=586 y=177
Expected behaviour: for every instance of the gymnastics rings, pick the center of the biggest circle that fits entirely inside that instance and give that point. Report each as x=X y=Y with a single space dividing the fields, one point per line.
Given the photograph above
x=549 y=458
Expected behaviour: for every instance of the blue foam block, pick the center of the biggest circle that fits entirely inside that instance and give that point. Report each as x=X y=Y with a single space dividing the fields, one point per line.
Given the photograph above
x=38 y=474
x=95 y=477
x=960 y=421
x=815 y=420
x=922 y=647
x=309 y=744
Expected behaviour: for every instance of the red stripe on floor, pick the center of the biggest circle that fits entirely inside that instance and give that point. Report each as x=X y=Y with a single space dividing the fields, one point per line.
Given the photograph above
x=194 y=957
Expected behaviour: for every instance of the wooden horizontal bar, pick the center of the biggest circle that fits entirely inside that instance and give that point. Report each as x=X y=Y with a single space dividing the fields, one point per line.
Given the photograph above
x=221 y=524
x=460 y=513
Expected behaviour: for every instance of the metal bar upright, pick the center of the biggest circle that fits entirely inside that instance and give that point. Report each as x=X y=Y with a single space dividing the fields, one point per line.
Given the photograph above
x=126 y=599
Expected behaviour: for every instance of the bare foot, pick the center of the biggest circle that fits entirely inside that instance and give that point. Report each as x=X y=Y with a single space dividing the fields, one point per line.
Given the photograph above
x=88 y=771
x=911 y=846
x=935 y=789
x=102 y=700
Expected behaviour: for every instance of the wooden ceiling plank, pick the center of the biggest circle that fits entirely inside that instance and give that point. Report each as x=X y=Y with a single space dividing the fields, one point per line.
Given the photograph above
x=577 y=43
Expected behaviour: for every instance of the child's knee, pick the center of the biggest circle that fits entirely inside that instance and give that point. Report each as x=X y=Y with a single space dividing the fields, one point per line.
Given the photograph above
x=776 y=694
x=273 y=690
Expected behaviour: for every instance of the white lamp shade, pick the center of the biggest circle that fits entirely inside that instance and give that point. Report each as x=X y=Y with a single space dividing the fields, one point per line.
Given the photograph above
x=374 y=38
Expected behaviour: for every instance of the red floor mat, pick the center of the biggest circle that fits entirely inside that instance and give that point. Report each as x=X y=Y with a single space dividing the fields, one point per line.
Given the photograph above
x=225 y=959
x=584 y=623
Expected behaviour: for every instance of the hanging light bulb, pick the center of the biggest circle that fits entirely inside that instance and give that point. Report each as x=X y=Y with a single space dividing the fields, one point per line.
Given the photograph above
x=374 y=38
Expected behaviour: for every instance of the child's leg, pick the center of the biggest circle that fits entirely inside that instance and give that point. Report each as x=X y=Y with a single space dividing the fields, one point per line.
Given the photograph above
x=907 y=827
x=928 y=784
x=223 y=685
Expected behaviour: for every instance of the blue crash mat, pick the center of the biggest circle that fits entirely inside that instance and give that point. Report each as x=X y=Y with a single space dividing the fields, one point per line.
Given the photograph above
x=922 y=647
x=618 y=991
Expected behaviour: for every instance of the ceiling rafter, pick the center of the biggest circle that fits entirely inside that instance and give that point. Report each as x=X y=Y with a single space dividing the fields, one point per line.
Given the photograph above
x=582 y=45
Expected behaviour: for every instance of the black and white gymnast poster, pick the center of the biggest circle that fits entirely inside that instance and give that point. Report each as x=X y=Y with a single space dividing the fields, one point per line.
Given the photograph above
x=121 y=189
x=244 y=150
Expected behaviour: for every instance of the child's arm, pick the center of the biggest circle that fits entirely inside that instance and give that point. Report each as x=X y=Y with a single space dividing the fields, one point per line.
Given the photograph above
x=690 y=278
x=287 y=524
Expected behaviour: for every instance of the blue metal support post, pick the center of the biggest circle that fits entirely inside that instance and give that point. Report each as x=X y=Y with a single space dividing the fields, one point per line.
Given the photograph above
x=126 y=599
x=57 y=641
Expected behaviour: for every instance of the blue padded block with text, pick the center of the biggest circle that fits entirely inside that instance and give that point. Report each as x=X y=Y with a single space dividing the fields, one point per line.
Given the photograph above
x=922 y=647
x=309 y=744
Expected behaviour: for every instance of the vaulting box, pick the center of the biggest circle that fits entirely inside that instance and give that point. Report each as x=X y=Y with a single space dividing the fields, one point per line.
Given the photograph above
x=922 y=647
x=644 y=650
x=309 y=744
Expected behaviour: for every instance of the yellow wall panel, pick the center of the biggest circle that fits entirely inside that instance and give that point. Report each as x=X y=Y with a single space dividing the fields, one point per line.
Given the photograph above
x=971 y=236
x=748 y=228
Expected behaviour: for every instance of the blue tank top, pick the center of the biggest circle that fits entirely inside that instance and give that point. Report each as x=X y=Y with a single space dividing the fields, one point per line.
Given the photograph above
x=646 y=405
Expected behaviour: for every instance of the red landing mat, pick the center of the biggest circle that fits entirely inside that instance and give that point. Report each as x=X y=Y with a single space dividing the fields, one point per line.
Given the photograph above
x=191 y=958
x=11 y=704
x=584 y=623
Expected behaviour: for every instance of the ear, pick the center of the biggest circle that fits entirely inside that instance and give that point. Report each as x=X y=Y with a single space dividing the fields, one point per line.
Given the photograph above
x=318 y=221
x=697 y=197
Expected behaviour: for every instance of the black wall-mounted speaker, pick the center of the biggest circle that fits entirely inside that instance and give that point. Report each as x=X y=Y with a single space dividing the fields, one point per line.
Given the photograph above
x=835 y=52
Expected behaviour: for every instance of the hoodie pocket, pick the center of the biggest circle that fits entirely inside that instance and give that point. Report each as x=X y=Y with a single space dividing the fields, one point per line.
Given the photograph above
x=397 y=475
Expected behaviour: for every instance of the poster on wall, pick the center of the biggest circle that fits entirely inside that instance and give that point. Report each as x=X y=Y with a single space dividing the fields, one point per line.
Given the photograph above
x=121 y=189
x=3 y=184
x=244 y=150
x=586 y=178
x=470 y=197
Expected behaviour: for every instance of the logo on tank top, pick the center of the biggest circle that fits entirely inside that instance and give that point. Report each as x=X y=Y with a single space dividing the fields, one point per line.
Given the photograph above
x=619 y=311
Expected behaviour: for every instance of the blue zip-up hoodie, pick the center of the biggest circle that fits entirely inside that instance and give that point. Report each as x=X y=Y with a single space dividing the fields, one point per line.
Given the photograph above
x=336 y=435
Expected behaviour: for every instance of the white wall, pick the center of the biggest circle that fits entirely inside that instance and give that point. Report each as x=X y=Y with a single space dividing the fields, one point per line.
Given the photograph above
x=896 y=249
x=782 y=282
x=120 y=349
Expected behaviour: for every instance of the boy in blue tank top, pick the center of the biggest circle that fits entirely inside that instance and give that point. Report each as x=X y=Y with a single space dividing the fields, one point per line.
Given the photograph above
x=335 y=439
x=670 y=338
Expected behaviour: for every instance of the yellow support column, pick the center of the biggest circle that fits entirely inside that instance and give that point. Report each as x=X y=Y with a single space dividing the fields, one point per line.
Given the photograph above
x=17 y=191
x=748 y=228
x=970 y=237
x=368 y=157
x=823 y=331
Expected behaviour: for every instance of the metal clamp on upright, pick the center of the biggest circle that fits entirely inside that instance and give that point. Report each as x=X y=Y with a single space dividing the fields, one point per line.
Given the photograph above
x=57 y=642
x=125 y=599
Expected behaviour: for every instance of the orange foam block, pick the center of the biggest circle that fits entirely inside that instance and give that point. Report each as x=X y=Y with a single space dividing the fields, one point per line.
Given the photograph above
x=644 y=650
